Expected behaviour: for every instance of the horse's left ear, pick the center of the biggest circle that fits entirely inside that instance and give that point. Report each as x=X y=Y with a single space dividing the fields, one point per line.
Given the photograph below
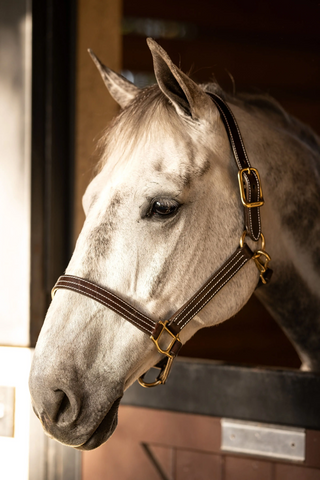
x=119 y=87
x=186 y=96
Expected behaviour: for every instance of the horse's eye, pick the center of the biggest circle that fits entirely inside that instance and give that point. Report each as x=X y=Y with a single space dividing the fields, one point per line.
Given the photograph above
x=164 y=207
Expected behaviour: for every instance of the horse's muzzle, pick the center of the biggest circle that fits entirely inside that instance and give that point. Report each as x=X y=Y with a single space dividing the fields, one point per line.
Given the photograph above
x=71 y=417
x=105 y=429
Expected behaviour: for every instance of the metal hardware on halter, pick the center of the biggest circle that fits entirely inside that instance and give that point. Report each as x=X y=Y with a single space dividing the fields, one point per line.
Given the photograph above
x=243 y=236
x=164 y=366
x=262 y=267
x=156 y=335
x=264 y=271
x=243 y=193
x=171 y=352
x=53 y=292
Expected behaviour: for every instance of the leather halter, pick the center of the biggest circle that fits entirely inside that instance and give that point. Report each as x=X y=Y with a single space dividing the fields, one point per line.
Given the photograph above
x=165 y=334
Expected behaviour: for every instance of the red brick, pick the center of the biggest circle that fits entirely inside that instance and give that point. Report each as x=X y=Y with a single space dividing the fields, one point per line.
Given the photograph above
x=237 y=468
x=295 y=472
x=192 y=465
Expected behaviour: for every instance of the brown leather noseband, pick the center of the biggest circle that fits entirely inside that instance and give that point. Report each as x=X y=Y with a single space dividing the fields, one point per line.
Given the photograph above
x=165 y=334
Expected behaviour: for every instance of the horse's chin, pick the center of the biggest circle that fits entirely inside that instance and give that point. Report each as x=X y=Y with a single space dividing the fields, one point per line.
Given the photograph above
x=104 y=430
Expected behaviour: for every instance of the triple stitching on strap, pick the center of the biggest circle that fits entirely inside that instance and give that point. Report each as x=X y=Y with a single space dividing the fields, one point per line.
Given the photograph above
x=145 y=323
x=116 y=304
x=211 y=291
x=102 y=292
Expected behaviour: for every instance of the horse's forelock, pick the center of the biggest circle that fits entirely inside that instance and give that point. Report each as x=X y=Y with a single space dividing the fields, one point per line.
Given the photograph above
x=143 y=120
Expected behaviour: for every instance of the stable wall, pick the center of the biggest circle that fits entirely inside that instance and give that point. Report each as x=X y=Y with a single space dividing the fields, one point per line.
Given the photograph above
x=98 y=28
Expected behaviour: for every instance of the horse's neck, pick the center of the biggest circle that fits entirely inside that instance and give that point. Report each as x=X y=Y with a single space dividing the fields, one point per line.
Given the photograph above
x=291 y=224
x=296 y=308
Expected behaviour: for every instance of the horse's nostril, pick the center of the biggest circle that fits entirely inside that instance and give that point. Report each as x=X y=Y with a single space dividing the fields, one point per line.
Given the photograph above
x=60 y=409
x=64 y=409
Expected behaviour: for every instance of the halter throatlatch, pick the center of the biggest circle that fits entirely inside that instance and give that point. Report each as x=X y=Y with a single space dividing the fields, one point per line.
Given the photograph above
x=165 y=334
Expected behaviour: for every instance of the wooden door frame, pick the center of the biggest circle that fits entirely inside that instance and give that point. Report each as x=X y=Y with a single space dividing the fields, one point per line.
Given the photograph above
x=52 y=158
x=52 y=147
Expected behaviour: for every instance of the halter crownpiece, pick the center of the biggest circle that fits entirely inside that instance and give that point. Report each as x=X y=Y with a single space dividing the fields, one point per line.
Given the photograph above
x=165 y=334
x=248 y=177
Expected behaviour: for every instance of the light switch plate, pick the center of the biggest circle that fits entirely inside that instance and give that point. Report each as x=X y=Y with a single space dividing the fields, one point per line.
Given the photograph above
x=7 y=403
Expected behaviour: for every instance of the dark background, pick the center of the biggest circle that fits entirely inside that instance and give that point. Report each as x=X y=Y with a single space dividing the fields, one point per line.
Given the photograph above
x=267 y=46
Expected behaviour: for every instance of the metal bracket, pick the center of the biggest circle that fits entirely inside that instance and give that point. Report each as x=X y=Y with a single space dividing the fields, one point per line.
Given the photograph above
x=272 y=441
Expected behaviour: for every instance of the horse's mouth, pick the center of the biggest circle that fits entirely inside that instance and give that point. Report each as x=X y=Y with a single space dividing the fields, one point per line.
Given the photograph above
x=104 y=430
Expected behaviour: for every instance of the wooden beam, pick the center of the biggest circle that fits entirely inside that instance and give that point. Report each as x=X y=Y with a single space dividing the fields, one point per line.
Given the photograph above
x=99 y=29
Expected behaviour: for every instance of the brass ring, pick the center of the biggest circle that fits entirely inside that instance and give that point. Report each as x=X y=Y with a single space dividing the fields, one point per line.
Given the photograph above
x=243 y=236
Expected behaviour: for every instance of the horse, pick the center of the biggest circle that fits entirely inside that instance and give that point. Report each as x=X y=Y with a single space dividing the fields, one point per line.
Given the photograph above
x=164 y=211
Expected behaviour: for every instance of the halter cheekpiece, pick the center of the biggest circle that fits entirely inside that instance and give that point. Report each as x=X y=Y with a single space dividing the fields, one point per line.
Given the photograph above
x=165 y=334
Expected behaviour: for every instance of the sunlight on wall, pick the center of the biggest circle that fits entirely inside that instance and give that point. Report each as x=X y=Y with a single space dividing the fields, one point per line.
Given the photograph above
x=15 y=171
x=14 y=451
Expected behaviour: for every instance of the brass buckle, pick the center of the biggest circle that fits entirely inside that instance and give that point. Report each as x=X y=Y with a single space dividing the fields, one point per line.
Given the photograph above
x=173 y=341
x=242 y=192
x=262 y=266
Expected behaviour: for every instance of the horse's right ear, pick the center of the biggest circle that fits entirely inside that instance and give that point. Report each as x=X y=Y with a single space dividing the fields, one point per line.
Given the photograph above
x=119 y=87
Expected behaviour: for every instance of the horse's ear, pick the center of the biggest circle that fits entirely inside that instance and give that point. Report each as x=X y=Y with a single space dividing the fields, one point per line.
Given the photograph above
x=119 y=87
x=186 y=96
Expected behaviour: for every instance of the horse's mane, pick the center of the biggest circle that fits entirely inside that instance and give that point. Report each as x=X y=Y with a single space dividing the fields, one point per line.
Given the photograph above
x=268 y=106
x=150 y=105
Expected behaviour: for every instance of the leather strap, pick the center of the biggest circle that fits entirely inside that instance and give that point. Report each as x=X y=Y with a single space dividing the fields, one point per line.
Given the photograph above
x=108 y=299
x=177 y=321
x=203 y=296
x=251 y=182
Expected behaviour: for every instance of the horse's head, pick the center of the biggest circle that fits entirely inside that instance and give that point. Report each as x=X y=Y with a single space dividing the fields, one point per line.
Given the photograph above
x=161 y=216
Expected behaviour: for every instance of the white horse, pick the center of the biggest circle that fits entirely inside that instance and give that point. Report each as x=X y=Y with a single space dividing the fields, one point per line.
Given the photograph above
x=163 y=214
